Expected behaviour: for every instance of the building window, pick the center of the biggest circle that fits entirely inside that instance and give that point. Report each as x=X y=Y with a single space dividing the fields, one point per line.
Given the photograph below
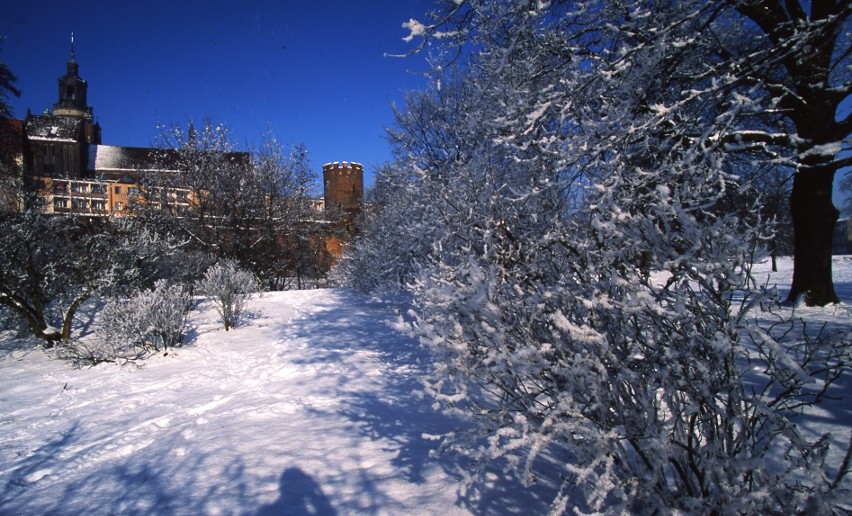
x=99 y=205
x=78 y=187
x=60 y=203
x=60 y=187
x=79 y=204
x=98 y=189
x=118 y=206
x=132 y=191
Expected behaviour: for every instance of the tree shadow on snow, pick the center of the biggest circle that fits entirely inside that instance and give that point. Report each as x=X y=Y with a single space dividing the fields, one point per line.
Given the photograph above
x=86 y=317
x=140 y=483
x=127 y=488
x=249 y=315
x=39 y=463
x=13 y=342
x=396 y=413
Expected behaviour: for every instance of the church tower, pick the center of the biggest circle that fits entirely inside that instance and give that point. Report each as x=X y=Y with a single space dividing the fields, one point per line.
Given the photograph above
x=72 y=91
x=57 y=144
x=72 y=101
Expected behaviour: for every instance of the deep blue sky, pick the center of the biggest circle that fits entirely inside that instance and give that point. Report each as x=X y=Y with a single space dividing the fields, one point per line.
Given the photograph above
x=312 y=71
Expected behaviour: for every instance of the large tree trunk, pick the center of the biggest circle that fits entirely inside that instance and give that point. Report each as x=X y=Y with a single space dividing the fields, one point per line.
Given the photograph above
x=808 y=36
x=814 y=216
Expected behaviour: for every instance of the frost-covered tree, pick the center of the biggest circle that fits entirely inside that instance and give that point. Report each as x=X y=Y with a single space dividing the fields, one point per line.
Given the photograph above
x=7 y=87
x=52 y=265
x=280 y=243
x=585 y=207
x=249 y=207
x=384 y=257
x=766 y=77
x=11 y=182
x=229 y=287
x=195 y=196
x=10 y=172
x=182 y=267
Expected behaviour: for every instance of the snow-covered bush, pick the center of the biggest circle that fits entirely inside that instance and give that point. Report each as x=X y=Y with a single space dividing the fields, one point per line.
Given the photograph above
x=130 y=328
x=622 y=340
x=229 y=287
x=159 y=314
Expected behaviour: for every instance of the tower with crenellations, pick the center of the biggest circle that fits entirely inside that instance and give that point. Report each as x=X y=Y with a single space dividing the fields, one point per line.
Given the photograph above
x=344 y=187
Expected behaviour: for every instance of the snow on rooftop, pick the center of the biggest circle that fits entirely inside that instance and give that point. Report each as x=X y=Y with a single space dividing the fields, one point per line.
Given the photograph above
x=49 y=139
x=54 y=128
x=112 y=157
x=343 y=164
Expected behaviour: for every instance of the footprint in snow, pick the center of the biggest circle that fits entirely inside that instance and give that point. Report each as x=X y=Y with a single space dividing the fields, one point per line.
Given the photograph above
x=35 y=476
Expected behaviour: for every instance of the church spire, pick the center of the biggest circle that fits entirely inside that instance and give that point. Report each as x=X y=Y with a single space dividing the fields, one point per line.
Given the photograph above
x=72 y=70
x=72 y=90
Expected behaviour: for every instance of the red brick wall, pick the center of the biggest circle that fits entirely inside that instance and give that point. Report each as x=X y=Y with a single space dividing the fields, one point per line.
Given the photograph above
x=344 y=186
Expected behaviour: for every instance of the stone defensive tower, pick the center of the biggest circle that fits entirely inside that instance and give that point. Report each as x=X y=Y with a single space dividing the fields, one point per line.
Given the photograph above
x=344 y=187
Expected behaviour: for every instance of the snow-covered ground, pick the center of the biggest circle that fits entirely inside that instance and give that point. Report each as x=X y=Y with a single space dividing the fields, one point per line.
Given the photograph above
x=305 y=409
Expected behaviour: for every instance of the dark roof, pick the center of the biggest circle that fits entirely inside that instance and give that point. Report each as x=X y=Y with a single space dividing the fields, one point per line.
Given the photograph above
x=49 y=127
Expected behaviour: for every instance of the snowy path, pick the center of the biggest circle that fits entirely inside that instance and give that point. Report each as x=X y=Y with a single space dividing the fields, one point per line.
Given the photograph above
x=307 y=409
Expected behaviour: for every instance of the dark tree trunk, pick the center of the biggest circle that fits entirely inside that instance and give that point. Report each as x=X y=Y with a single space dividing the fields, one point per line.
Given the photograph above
x=808 y=37
x=69 y=317
x=814 y=216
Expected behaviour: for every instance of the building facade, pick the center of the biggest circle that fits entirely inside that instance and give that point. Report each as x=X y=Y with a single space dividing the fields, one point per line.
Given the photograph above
x=65 y=163
x=71 y=171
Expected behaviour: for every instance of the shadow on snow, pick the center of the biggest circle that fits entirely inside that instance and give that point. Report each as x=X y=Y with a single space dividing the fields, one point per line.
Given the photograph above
x=377 y=396
x=396 y=413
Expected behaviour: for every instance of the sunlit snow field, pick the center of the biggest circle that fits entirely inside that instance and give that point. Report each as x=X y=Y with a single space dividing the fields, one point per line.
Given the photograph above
x=308 y=408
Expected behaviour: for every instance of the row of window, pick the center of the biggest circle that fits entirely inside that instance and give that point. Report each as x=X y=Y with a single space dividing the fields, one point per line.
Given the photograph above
x=129 y=190
x=75 y=187
x=82 y=204
x=79 y=188
x=65 y=187
x=96 y=188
